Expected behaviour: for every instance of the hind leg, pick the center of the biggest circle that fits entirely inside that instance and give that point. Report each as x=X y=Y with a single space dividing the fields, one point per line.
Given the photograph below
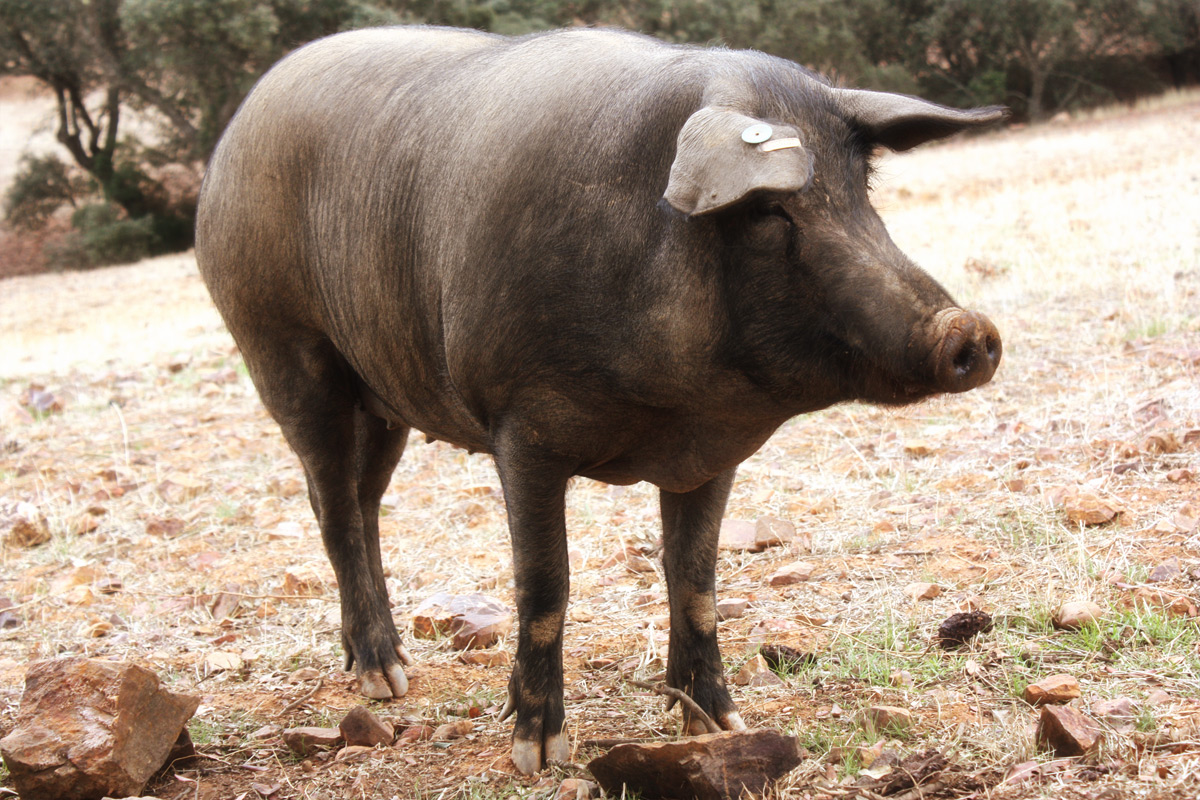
x=348 y=457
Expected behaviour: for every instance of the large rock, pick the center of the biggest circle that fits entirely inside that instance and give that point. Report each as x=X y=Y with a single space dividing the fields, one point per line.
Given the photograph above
x=89 y=729
x=716 y=766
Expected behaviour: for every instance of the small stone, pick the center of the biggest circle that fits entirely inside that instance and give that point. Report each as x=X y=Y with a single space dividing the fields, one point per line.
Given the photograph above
x=738 y=535
x=883 y=718
x=781 y=658
x=796 y=572
x=1088 y=508
x=266 y=732
x=1074 y=615
x=731 y=608
x=304 y=674
x=923 y=591
x=1061 y=688
x=901 y=677
x=415 y=733
x=1158 y=697
x=1165 y=572
x=756 y=672
x=23 y=525
x=772 y=532
x=958 y=629
x=1175 y=605
x=575 y=789
x=223 y=661
x=453 y=730
x=306 y=740
x=361 y=727
x=1067 y=732
x=1117 y=713
x=475 y=621
x=485 y=658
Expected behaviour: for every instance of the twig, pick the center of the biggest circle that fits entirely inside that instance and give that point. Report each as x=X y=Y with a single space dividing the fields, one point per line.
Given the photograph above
x=292 y=706
x=688 y=703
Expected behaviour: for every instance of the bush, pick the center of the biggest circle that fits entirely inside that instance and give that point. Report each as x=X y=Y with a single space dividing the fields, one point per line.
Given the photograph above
x=102 y=237
x=42 y=186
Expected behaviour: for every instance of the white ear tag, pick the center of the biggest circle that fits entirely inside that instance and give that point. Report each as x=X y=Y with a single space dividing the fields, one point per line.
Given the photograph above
x=779 y=144
x=757 y=133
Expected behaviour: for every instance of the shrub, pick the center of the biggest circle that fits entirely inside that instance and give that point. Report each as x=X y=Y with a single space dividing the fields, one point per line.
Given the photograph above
x=102 y=237
x=42 y=186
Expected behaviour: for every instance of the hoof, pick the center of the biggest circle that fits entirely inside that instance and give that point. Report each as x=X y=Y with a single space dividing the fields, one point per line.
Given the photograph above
x=377 y=685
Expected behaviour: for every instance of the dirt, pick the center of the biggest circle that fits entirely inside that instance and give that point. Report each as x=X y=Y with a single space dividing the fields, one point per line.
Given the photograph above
x=162 y=471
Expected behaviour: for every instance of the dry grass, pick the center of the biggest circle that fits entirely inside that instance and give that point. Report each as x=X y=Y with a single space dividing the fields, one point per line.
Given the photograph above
x=1080 y=240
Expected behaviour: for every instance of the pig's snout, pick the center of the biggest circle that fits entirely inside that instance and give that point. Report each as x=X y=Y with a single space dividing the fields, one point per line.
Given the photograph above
x=966 y=351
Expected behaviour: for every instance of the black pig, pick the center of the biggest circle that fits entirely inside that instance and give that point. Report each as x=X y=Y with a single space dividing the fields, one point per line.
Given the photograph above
x=585 y=253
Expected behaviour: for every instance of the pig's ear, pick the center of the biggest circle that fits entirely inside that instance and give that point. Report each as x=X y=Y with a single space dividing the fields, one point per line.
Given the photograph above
x=900 y=122
x=722 y=157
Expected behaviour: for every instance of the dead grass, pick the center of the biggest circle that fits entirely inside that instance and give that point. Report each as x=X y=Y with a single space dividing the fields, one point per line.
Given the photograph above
x=1080 y=240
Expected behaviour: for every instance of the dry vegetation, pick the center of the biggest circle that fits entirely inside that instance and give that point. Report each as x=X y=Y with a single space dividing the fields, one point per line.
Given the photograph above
x=165 y=484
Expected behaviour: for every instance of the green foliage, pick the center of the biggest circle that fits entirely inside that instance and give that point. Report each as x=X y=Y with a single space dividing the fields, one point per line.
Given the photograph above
x=189 y=63
x=42 y=186
x=102 y=236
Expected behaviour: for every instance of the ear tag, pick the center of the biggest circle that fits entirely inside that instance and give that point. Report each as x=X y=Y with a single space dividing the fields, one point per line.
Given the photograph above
x=779 y=144
x=756 y=134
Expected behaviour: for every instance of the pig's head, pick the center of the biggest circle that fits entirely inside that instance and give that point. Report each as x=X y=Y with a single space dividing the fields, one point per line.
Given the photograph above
x=823 y=305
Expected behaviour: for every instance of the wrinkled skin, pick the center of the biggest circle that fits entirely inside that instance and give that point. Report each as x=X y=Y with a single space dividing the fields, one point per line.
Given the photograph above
x=561 y=250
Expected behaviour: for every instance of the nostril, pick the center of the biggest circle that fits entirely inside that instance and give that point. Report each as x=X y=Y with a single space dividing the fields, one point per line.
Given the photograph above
x=993 y=349
x=964 y=359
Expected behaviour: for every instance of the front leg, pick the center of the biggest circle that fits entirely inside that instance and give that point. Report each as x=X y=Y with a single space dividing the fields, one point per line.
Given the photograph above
x=534 y=493
x=691 y=527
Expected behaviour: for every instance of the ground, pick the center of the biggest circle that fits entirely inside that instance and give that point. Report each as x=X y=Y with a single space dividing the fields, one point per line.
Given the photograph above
x=181 y=538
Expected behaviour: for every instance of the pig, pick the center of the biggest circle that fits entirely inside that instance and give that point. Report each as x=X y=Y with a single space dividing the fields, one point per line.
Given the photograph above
x=585 y=253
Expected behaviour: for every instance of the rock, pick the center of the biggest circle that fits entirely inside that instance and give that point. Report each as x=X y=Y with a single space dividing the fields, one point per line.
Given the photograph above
x=1175 y=605
x=738 y=535
x=1088 y=508
x=475 y=621
x=361 y=727
x=884 y=718
x=772 y=532
x=756 y=672
x=1074 y=615
x=731 y=608
x=575 y=789
x=490 y=658
x=796 y=572
x=901 y=677
x=781 y=658
x=1061 y=688
x=1067 y=732
x=415 y=733
x=922 y=591
x=23 y=525
x=1158 y=697
x=716 y=766
x=88 y=728
x=453 y=730
x=223 y=661
x=958 y=629
x=304 y=674
x=307 y=740
x=1116 y=713
x=1165 y=572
